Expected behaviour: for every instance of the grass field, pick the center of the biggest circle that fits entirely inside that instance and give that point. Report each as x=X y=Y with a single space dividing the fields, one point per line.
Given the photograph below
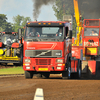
x=14 y=70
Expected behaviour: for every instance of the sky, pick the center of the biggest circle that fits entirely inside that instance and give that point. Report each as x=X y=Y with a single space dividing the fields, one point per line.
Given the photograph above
x=12 y=8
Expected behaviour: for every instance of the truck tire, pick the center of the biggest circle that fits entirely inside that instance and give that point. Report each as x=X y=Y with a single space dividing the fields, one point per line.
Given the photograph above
x=65 y=75
x=79 y=70
x=28 y=74
x=69 y=70
x=45 y=75
x=97 y=74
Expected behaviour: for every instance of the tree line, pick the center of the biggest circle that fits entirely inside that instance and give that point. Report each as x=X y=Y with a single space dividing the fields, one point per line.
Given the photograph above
x=18 y=22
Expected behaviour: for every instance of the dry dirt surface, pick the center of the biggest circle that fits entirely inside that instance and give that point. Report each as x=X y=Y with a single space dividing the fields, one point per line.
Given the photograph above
x=19 y=88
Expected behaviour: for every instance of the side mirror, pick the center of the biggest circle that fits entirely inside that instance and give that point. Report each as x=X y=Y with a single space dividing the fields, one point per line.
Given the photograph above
x=70 y=34
x=19 y=34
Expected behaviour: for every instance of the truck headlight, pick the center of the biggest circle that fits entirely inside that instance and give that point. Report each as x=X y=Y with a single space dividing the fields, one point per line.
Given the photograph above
x=27 y=67
x=58 y=67
x=27 y=60
x=59 y=60
x=59 y=64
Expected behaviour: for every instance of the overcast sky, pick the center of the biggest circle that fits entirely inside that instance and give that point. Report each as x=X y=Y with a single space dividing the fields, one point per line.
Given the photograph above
x=25 y=8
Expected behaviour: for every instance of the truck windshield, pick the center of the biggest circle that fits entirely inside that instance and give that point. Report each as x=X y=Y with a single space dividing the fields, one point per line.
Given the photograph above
x=44 y=33
x=91 y=31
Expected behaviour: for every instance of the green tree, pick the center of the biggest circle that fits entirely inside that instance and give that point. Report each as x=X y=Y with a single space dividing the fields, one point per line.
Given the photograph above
x=62 y=7
x=19 y=22
x=25 y=19
x=4 y=25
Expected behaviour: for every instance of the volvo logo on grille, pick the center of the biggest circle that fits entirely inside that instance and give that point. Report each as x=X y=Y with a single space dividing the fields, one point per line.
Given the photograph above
x=43 y=53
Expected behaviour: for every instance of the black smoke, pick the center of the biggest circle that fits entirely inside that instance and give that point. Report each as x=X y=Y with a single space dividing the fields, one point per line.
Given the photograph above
x=90 y=9
x=37 y=4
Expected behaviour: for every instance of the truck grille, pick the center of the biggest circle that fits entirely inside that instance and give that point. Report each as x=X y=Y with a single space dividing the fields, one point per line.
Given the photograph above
x=43 y=53
x=43 y=61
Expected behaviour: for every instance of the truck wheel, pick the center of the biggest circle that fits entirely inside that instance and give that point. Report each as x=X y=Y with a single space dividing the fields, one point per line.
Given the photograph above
x=79 y=70
x=45 y=75
x=65 y=75
x=28 y=74
x=69 y=72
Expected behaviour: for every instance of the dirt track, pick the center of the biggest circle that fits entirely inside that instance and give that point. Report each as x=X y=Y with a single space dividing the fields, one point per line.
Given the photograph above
x=19 y=88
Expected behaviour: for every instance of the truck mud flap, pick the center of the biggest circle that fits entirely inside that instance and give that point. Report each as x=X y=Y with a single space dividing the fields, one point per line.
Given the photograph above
x=92 y=67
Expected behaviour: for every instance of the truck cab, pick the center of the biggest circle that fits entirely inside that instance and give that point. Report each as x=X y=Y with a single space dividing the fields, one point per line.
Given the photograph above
x=47 y=48
x=90 y=36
